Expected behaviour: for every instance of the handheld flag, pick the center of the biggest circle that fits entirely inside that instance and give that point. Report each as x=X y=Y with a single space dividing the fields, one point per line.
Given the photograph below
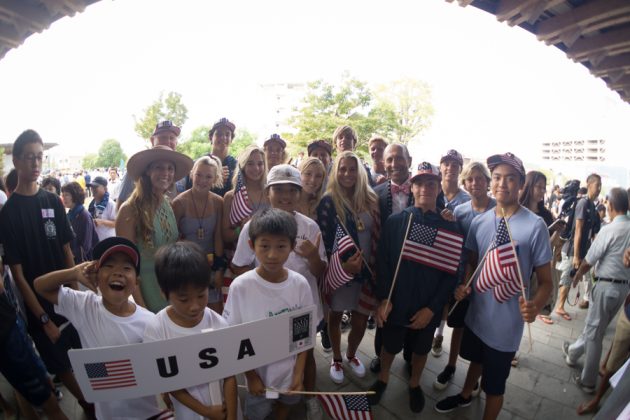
x=346 y=407
x=335 y=276
x=437 y=248
x=240 y=208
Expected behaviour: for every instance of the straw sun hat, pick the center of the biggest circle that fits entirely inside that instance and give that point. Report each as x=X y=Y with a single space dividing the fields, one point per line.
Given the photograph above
x=138 y=163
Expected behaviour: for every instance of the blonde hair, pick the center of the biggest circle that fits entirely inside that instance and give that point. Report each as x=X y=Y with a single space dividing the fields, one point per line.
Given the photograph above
x=363 y=197
x=377 y=138
x=304 y=165
x=467 y=171
x=243 y=158
x=213 y=162
x=142 y=204
x=344 y=129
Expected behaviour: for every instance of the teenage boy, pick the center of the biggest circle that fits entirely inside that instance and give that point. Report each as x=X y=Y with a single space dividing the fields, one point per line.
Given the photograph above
x=495 y=320
x=270 y=289
x=284 y=186
x=421 y=290
x=36 y=235
x=321 y=150
x=105 y=319
x=452 y=195
x=584 y=227
x=376 y=146
x=345 y=139
x=182 y=271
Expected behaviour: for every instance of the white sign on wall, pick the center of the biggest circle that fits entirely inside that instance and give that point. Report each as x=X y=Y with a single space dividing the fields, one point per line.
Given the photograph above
x=136 y=370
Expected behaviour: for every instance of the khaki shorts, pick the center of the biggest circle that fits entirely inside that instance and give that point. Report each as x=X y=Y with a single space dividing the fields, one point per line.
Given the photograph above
x=621 y=344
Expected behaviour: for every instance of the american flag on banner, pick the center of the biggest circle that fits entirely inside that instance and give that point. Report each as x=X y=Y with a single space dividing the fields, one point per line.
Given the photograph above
x=335 y=276
x=240 y=208
x=346 y=407
x=499 y=271
x=435 y=247
x=110 y=375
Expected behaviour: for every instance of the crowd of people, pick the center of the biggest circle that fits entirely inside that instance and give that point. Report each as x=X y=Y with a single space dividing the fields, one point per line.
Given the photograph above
x=179 y=246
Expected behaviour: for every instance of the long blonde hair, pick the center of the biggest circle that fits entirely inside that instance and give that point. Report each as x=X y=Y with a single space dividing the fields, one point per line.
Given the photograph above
x=313 y=201
x=242 y=161
x=363 y=197
x=213 y=162
x=142 y=204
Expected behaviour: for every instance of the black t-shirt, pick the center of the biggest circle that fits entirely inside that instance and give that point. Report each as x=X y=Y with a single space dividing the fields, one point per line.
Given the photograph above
x=33 y=231
x=584 y=210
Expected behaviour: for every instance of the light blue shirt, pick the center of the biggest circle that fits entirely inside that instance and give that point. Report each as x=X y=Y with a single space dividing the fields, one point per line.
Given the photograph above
x=500 y=325
x=465 y=213
x=461 y=197
x=608 y=247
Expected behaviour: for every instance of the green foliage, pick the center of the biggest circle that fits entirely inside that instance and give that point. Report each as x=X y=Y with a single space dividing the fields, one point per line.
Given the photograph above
x=198 y=143
x=164 y=108
x=90 y=161
x=109 y=154
x=410 y=102
x=2 y=162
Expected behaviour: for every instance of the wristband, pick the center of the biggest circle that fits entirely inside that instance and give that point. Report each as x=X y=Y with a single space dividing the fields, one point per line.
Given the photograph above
x=219 y=263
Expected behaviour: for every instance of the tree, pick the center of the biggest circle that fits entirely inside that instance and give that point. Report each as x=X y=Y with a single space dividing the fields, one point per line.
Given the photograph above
x=164 y=108
x=409 y=102
x=90 y=161
x=110 y=154
x=198 y=144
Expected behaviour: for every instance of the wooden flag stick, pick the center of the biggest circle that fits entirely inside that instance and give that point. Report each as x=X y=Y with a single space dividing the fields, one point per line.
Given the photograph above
x=470 y=280
x=315 y=392
x=356 y=246
x=391 y=289
x=520 y=274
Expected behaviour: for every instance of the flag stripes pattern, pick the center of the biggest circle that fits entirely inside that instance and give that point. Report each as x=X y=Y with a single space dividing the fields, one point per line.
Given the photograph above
x=240 y=207
x=110 y=375
x=346 y=407
x=437 y=248
x=499 y=271
x=335 y=276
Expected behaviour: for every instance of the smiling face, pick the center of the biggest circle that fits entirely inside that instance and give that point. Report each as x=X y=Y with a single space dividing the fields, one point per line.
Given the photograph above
x=321 y=154
x=255 y=167
x=347 y=173
x=377 y=148
x=284 y=196
x=221 y=139
x=345 y=142
x=188 y=305
x=450 y=170
x=505 y=185
x=165 y=138
x=272 y=251
x=117 y=278
x=397 y=164
x=425 y=190
x=312 y=179
x=476 y=184
x=274 y=152
x=161 y=174
x=203 y=177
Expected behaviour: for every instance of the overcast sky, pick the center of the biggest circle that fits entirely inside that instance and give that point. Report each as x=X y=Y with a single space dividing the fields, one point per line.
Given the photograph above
x=495 y=88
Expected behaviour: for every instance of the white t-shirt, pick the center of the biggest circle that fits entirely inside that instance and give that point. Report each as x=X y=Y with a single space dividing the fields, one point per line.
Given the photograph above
x=163 y=328
x=307 y=229
x=109 y=213
x=253 y=298
x=97 y=327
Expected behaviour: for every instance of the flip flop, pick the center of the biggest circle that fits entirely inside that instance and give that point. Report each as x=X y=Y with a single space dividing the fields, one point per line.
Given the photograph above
x=564 y=315
x=545 y=319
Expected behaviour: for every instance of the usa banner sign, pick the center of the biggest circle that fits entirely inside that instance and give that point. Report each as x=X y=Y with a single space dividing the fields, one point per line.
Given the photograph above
x=137 y=370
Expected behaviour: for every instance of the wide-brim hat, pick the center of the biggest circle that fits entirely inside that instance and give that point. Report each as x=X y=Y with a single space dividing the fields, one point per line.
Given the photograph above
x=138 y=163
x=427 y=170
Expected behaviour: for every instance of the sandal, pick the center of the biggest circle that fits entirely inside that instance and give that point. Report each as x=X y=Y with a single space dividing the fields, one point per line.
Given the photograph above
x=545 y=319
x=564 y=315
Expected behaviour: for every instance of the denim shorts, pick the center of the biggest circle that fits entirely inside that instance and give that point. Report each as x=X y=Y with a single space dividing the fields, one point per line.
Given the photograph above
x=22 y=367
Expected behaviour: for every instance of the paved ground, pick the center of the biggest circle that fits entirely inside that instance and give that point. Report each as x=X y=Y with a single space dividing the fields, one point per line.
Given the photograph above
x=539 y=388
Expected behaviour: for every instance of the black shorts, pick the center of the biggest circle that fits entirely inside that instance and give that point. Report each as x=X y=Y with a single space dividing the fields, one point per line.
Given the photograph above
x=55 y=355
x=456 y=319
x=495 y=364
x=21 y=366
x=394 y=339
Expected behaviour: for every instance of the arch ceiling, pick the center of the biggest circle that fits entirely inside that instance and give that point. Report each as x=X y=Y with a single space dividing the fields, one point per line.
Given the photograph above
x=595 y=33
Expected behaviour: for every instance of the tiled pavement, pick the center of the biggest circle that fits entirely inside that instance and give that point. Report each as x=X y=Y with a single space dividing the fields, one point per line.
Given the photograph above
x=539 y=388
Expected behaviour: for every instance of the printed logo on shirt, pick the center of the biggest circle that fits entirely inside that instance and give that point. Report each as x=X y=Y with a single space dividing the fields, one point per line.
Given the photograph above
x=300 y=332
x=50 y=229
x=48 y=213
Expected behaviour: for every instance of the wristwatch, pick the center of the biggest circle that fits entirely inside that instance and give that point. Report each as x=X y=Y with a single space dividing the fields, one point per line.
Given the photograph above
x=44 y=318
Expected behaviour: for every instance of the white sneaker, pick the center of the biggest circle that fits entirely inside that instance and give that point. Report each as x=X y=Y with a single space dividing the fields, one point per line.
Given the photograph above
x=336 y=372
x=355 y=364
x=313 y=409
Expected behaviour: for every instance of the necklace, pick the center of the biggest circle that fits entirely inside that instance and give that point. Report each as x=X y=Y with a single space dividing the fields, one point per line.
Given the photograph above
x=256 y=206
x=200 y=230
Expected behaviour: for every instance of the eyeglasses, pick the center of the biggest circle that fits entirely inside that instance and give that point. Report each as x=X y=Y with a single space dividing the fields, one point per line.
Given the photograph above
x=31 y=157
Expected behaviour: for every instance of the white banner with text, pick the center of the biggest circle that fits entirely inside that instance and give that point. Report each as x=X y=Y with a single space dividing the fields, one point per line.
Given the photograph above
x=136 y=370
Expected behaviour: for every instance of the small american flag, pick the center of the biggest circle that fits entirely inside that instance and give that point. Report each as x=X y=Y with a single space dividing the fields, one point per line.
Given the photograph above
x=499 y=271
x=240 y=208
x=335 y=276
x=346 y=407
x=437 y=248
x=110 y=375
